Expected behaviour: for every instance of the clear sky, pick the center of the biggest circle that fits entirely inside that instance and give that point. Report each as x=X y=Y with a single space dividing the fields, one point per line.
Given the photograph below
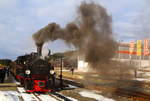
x=20 y=19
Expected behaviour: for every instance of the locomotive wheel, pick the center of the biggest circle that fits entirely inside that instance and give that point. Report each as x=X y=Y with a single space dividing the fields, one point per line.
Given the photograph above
x=51 y=83
x=21 y=82
x=28 y=85
x=53 y=80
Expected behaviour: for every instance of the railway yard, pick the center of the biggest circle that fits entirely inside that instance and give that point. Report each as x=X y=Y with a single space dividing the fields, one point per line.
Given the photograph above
x=96 y=88
x=74 y=50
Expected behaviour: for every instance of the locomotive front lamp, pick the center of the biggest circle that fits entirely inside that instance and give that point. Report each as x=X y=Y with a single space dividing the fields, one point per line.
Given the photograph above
x=28 y=72
x=52 y=72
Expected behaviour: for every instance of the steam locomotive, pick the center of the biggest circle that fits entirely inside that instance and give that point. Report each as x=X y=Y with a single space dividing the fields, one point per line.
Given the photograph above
x=33 y=73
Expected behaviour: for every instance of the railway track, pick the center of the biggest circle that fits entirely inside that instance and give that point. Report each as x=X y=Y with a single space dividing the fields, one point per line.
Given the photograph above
x=55 y=96
x=135 y=93
x=36 y=95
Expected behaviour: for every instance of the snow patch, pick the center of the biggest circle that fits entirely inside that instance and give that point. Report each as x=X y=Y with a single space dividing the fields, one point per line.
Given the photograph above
x=142 y=79
x=46 y=98
x=72 y=99
x=71 y=86
x=18 y=83
x=94 y=96
x=95 y=75
x=147 y=74
x=9 y=96
x=69 y=98
x=25 y=96
x=3 y=97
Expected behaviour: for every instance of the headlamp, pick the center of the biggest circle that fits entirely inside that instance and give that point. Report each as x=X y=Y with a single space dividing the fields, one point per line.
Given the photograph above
x=51 y=72
x=27 y=71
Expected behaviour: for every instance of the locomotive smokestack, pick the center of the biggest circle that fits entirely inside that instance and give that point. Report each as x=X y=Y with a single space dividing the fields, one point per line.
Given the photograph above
x=39 y=49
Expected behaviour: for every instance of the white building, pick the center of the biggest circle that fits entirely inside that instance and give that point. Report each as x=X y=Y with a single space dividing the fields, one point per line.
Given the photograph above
x=82 y=64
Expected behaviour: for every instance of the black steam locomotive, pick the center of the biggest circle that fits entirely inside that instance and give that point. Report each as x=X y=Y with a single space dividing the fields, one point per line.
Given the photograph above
x=34 y=73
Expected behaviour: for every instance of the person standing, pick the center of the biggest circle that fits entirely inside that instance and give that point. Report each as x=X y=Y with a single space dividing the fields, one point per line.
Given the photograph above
x=7 y=71
x=3 y=75
x=72 y=70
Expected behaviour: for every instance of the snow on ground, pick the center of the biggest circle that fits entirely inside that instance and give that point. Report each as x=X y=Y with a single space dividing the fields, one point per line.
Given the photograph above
x=3 y=97
x=147 y=74
x=93 y=95
x=95 y=75
x=31 y=97
x=25 y=96
x=9 y=96
x=142 y=79
x=72 y=99
x=73 y=87
x=46 y=97
x=18 y=83
x=66 y=98
x=42 y=97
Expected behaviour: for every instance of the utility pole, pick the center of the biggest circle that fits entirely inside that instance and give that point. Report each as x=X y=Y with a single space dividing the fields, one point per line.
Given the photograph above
x=61 y=80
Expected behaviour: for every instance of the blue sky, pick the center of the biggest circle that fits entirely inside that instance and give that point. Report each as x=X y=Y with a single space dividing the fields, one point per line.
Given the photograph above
x=19 y=19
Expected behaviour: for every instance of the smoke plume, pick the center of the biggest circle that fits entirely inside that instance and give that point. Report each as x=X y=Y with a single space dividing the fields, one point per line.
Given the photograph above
x=91 y=33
